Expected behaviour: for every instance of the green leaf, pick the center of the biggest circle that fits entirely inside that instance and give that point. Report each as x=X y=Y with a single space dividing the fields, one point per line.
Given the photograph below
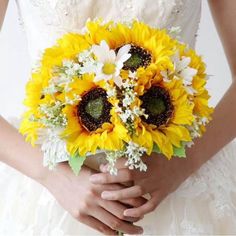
x=76 y=163
x=179 y=151
x=156 y=149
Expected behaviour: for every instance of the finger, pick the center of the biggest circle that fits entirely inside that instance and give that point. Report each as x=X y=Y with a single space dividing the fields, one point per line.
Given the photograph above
x=117 y=209
x=131 y=202
x=115 y=223
x=126 y=193
x=123 y=175
x=97 y=225
x=148 y=207
x=134 y=202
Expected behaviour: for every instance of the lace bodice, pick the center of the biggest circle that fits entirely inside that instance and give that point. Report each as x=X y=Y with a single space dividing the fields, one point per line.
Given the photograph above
x=46 y=20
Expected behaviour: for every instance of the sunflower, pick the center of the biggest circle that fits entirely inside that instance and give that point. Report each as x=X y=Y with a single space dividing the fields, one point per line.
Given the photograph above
x=92 y=122
x=30 y=127
x=66 y=48
x=201 y=98
x=169 y=112
x=148 y=45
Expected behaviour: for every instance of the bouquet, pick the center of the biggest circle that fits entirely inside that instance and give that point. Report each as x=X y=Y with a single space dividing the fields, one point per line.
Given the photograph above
x=124 y=90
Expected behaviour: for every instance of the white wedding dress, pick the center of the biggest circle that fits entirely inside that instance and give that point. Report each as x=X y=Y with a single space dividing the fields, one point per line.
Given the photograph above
x=204 y=204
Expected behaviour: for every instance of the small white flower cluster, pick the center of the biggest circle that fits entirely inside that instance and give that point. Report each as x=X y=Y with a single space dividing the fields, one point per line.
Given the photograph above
x=53 y=117
x=129 y=115
x=58 y=84
x=183 y=71
x=194 y=129
x=112 y=157
x=71 y=68
x=203 y=121
x=111 y=91
x=51 y=89
x=85 y=64
x=128 y=91
x=62 y=80
x=126 y=112
x=134 y=152
x=88 y=63
x=72 y=101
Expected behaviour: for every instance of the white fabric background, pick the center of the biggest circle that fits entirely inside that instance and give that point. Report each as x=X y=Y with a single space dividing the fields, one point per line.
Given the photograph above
x=14 y=61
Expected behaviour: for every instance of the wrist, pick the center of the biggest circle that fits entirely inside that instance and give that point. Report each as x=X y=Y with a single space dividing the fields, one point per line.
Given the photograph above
x=41 y=175
x=194 y=159
x=61 y=174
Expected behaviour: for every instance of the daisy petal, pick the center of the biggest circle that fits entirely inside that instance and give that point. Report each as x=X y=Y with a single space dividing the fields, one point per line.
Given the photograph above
x=123 y=50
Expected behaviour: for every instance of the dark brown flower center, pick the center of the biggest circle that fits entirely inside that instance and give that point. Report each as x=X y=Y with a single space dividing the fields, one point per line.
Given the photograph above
x=94 y=109
x=158 y=106
x=140 y=57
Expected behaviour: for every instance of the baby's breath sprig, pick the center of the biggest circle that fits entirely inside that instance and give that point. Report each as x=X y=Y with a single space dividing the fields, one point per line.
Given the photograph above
x=133 y=152
x=127 y=112
x=52 y=115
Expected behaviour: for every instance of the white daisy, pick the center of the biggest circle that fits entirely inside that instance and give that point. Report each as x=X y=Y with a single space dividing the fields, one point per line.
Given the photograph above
x=111 y=63
x=183 y=70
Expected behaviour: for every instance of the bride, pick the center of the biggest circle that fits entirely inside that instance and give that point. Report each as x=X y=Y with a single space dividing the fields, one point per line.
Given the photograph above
x=196 y=195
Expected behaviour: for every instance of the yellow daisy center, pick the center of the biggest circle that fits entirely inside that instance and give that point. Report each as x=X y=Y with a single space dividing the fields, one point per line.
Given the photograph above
x=109 y=68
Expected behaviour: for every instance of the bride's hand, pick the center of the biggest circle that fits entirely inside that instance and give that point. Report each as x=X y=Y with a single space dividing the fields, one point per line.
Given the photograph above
x=82 y=200
x=161 y=178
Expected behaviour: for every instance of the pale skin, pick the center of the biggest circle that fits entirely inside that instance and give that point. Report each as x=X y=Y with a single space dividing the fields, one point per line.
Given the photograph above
x=110 y=213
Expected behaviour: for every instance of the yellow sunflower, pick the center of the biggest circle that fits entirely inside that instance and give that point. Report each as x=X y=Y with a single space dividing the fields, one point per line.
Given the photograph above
x=92 y=121
x=148 y=45
x=201 y=98
x=169 y=112
x=66 y=48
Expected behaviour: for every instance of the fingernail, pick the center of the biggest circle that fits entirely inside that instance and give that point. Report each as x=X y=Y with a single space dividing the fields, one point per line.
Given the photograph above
x=126 y=213
x=95 y=179
x=106 y=195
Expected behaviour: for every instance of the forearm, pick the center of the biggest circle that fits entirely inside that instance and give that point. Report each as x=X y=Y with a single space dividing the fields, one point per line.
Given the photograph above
x=3 y=7
x=15 y=152
x=220 y=131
